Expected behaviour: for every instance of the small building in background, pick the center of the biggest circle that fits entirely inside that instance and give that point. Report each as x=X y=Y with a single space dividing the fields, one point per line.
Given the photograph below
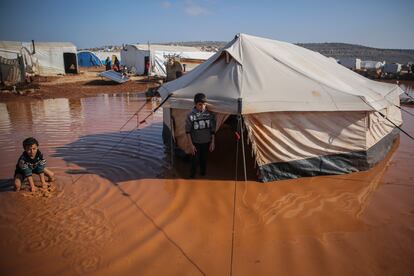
x=391 y=70
x=350 y=63
x=372 y=68
x=151 y=59
x=371 y=65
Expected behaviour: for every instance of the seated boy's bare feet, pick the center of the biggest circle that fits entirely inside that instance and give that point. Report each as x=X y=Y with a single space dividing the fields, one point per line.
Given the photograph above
x=33 y=189
x=44 y=185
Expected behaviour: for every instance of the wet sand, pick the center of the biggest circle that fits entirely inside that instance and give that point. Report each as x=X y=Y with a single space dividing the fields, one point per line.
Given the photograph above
x=119 y=209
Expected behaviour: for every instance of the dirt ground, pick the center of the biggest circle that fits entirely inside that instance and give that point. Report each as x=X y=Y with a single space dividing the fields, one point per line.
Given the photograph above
x=87 y=83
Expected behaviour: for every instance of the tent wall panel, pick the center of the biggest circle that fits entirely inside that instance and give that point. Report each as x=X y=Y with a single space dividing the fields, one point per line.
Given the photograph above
x=378 y=126
x=329 y=164
x=289 y=136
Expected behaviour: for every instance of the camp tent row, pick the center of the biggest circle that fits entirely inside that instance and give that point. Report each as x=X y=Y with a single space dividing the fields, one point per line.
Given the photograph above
x=137 y=55
x=43 y=58
x=305 y=114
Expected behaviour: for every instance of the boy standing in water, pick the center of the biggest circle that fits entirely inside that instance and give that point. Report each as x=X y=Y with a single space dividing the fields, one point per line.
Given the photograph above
x=31 y=161
x=200 y=128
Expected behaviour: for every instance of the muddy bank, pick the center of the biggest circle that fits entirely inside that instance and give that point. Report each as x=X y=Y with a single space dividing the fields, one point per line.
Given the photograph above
x=86 y=84
x=118 y=208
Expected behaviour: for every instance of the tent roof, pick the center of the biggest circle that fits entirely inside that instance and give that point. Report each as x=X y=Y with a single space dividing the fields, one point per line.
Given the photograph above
x=167 y=48
x=54 y=44
x=269 y=75
x=103 y=55
x=182 y=51
x=17 y=45
x=10 y=45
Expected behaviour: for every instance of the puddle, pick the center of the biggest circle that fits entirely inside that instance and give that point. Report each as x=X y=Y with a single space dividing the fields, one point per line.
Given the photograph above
x=117 y=207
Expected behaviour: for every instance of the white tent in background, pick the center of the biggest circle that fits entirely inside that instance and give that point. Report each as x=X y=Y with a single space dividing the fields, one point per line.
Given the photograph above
x=371 y=65
x=136 y=55
x=304 y=114
x=102 y=55
x=45 y=58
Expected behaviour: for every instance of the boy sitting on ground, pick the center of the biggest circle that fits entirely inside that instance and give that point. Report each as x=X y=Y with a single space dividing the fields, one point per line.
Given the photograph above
x=31 y=161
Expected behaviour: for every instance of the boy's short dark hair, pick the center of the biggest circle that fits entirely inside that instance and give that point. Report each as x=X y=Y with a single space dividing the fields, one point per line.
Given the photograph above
x=200 y=98
x=30 y=141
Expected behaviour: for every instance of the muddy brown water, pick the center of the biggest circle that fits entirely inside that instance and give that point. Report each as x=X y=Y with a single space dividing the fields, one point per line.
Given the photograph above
x=120 y=209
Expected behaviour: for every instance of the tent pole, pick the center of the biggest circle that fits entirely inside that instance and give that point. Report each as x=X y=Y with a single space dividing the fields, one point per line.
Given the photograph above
x=237 y=150
x=171 y=140
x=149 y=60
x=244 y=156
x=240 y=121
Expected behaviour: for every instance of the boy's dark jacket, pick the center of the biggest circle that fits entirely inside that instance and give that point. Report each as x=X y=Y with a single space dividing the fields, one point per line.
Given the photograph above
x=200 y=125
x=27 y=166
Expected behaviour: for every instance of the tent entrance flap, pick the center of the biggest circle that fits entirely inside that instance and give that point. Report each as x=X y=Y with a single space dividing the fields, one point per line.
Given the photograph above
x=69 y=60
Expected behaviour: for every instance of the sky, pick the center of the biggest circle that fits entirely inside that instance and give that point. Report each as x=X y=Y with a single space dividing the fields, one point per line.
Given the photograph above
x=92 y=23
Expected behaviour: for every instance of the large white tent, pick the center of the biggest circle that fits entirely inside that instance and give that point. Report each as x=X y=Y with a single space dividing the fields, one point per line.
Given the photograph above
x=44 y=58
x=135 y=55
x=304 y=114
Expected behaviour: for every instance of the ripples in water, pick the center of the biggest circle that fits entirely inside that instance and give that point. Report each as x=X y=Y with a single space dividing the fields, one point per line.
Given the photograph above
x=83 y=131
x=153 y=226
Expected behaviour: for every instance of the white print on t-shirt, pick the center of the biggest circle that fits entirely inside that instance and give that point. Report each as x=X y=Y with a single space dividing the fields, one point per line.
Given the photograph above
x=201 y=124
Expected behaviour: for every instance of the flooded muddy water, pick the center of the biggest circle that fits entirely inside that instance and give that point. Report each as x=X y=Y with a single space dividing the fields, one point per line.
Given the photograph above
x=120 y=209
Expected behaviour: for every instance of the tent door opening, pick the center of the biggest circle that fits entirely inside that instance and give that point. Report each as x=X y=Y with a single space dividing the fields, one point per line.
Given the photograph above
x=221 y=162
x=146 y=65
x=70 y=62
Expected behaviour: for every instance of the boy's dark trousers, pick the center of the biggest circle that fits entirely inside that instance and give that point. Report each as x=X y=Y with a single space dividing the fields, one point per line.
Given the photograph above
x=199 y=157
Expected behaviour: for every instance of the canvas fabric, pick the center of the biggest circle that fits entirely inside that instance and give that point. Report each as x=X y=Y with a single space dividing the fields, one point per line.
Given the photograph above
x=269 y=75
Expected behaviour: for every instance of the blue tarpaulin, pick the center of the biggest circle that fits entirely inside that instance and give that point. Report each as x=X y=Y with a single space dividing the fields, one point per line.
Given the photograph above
x=88 y=59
